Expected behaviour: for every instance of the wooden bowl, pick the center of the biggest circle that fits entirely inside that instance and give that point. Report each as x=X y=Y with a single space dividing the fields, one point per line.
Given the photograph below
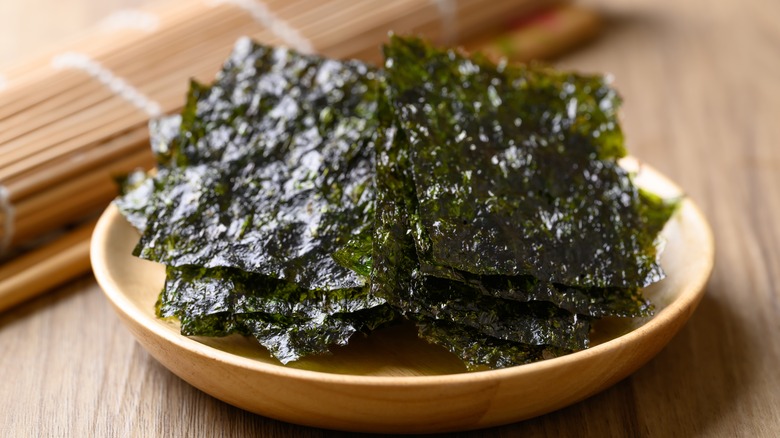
x=390 y=381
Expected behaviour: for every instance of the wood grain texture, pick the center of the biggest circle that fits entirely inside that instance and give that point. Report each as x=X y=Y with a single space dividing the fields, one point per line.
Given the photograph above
x=702 y=102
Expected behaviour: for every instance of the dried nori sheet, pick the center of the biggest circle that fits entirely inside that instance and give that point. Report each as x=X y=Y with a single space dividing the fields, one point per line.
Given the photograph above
x=291 y=322
x=533 y=323
x=293 y=179
x=136 y=190
x=443 y=302
x=272 y=170
x=203 y=183
x=136 y=201
x=594 y=302
x=479 y=351
x=515 y=171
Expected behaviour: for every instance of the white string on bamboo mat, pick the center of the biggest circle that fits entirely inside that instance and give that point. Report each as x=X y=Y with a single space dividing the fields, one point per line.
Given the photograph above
x=448 y=11
x=263 y=15
x=131 y=19
x=81 y=61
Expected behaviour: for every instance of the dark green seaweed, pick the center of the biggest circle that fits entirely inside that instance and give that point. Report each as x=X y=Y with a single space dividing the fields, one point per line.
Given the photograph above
x=204 y=178
x=272 y=170
x=594 y=302
x=302 y=200
x=136 y=201
x=515 y=171
x=479 y=351
x=533 y=323
x=136 y=189
x=288 y=320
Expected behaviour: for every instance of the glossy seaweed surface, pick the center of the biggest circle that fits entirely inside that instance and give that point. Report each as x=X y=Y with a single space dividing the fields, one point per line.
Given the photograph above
x=301 y=200
x=271 y=171
x=515 y=171
x=288 y=320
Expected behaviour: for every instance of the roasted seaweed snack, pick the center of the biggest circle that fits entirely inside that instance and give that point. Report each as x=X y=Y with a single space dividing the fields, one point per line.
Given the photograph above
x=320 y=177
x=272 y=169
x=302 y=200
x=288 y=320
x=516 y=171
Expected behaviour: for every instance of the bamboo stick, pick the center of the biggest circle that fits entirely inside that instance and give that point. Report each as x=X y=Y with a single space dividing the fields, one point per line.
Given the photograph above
x=37 y=271
x=58 y=206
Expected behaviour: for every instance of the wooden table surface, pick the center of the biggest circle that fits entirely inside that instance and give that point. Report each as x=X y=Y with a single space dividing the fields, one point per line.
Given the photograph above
x=701 y=83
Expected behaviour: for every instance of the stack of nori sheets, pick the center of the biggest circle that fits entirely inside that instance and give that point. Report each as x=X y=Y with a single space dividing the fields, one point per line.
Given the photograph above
x=300 y=200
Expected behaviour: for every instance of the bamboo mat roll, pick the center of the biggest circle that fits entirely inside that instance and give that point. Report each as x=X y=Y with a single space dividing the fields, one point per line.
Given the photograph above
x=74 y=119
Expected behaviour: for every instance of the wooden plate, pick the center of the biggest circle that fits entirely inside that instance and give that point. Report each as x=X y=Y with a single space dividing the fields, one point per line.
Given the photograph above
x=390 y=381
